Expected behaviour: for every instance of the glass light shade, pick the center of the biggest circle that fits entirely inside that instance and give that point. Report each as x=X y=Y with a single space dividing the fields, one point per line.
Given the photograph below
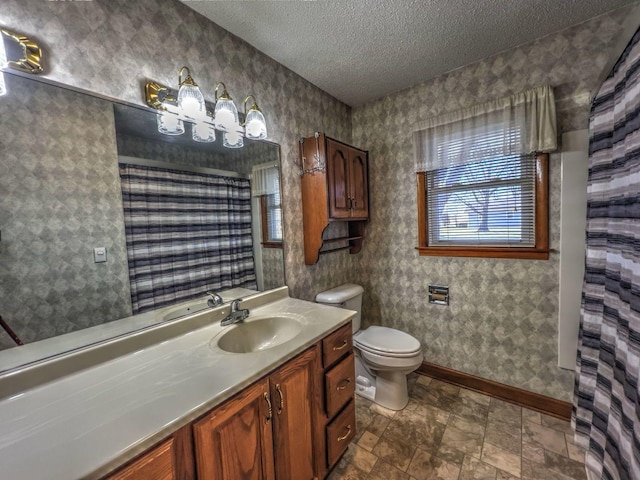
x=203 y=132
x=191 y=101
x=3 y=64
x=255 y=126
x=232 y=139
x=226 y=115
x=169 y=124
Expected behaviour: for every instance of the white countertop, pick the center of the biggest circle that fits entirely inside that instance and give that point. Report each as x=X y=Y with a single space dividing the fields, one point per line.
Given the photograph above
x=84 y=424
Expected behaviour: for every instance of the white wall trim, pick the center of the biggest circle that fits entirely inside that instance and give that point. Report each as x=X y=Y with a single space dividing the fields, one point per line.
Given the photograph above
x=573 y=224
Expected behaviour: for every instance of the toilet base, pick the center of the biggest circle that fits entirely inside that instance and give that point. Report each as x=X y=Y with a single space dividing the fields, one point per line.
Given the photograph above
x=387 y=388
x=365 y=389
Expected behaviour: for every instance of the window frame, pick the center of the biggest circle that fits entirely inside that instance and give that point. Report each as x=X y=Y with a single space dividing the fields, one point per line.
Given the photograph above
x=539 y=252
x=266 y=242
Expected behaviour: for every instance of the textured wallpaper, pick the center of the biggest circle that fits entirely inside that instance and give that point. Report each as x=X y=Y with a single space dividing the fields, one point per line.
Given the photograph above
x=49 y=283
x=502 y=320
x=502 y=323
x=111 y=47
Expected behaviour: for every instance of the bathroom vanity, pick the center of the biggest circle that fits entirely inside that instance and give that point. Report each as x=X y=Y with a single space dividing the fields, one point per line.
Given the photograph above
x=200 y=401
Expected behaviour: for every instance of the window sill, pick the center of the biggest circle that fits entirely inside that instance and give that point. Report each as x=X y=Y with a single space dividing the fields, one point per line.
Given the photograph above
x=486 y=252
x=271 y=244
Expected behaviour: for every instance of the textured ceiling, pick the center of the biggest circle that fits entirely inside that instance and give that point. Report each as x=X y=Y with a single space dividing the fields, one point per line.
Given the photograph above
x=360 y=50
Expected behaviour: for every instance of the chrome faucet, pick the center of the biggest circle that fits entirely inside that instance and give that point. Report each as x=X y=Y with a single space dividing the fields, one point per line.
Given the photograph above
x=236 y=315
x=215 y=299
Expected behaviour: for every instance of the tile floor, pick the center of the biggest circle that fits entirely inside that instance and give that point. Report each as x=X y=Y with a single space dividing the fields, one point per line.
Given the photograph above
x=450 y=433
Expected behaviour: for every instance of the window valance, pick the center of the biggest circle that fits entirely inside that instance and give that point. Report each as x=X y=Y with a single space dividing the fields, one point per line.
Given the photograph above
x=265 y=179
x=519 y=124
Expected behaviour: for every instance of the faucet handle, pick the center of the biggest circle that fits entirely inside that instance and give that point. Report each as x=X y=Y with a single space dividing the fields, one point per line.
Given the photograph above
x=235 y=304
x=215 y=299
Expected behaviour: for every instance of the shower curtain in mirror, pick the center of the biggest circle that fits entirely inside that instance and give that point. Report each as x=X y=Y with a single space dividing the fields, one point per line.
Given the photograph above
x=606 y=408
x=187 y=233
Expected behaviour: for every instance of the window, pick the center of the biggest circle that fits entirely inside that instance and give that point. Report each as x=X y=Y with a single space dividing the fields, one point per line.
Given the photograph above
x=271 y=213
x=482 y=188
x=495 y=207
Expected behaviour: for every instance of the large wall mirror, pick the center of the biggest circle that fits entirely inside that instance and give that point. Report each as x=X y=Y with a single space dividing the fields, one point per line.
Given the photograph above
x=102 y=217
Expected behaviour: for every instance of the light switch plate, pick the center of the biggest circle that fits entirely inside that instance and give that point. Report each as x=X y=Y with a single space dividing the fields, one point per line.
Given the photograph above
x=100 y=254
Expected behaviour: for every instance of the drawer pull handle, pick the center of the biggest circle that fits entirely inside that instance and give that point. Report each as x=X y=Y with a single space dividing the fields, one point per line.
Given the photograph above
x=269 y=409
x=344 y=344
x=281 y=406
x=343 y=384
x=344 y=437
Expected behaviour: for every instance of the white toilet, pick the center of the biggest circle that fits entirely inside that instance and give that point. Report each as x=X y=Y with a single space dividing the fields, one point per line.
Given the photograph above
x=384 y=356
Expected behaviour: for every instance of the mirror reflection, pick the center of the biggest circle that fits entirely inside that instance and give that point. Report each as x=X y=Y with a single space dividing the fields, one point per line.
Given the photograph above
x=103 y=217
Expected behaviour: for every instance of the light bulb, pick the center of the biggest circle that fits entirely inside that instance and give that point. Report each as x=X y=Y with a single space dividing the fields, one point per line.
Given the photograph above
x=226 y=115
x=191 y=101
x=255 y=125
x=203 y=132
x=232 y=139
x=169 y=124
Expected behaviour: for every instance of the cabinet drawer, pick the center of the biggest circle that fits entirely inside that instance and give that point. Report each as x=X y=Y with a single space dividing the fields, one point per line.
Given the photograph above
x=336 y=345
x=339 y=385
x=340 y=432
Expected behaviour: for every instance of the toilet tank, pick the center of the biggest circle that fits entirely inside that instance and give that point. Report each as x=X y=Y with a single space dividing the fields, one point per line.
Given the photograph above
x=347 y=296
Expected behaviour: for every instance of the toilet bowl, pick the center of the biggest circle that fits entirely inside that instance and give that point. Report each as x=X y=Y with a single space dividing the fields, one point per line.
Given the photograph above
x=383 y=356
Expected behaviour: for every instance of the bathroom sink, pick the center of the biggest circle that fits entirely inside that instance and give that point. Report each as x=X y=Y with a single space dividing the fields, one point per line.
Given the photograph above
x=185 y=309
x=257 y=334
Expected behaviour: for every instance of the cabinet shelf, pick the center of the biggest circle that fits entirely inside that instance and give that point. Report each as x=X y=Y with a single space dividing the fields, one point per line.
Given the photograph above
x=335 y=188
x=332 y=250
x=342 y=239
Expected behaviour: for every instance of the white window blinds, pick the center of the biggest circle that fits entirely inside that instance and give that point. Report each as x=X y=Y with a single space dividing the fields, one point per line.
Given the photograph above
x=265 y=181
x=488 y=203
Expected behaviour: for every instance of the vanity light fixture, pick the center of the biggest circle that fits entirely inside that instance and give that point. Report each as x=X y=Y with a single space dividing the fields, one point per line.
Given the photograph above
x=189 y=106
x=255 y=126
x=225 y=114
x=190 y=98
x=30 y=62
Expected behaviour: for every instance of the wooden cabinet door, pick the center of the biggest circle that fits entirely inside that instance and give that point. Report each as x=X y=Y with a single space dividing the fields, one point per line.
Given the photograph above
x=337 y=181
x=235 y=441
x=294 y=392
x=171 y=460
x=358 y=184
x=158 y=464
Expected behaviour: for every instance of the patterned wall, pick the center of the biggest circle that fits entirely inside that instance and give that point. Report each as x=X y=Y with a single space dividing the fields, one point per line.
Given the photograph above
x=502 y=321
x=111 y=47
x=49 y=283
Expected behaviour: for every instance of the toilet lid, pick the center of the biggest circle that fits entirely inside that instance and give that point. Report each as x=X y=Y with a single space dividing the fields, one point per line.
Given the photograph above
x=390 y=340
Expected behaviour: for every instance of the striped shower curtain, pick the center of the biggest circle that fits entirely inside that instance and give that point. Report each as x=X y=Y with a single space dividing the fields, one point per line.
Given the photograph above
x=187 y=233
x=606 y=411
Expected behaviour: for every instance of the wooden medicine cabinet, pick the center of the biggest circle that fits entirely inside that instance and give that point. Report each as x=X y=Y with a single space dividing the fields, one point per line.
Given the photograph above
x=335 y=188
